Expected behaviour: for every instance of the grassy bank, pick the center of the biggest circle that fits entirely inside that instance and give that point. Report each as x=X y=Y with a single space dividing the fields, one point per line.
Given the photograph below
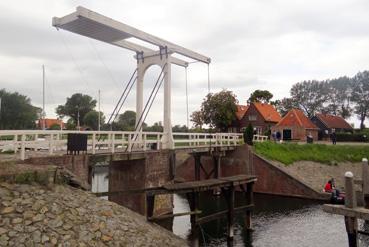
x=287 y=153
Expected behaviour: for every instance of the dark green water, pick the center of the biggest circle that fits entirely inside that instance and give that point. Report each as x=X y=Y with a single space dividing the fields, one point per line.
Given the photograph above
x=277 y=221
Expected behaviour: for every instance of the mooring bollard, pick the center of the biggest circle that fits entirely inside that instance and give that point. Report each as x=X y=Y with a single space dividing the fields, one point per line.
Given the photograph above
x=365 y=179
x=350 y=202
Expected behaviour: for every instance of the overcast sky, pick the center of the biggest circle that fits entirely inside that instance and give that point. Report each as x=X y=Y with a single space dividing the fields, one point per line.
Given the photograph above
x=253 y=45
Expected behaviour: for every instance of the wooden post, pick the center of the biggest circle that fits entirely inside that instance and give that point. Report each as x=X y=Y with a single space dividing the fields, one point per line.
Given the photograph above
x=350 y=202
x=150 y=203
x=249 y=200
x=93 y=143
x=365 y=178
x=112 y=143
x=51 y=144
x=230 y=216
x=197 y=166
x=193 y=201
x=23 y=147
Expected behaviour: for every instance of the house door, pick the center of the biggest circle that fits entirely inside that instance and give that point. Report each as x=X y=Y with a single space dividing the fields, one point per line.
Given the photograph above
x=287 y=134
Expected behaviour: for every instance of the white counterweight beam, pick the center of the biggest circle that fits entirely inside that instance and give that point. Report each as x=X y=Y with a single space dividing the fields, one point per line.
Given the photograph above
x=91 y=24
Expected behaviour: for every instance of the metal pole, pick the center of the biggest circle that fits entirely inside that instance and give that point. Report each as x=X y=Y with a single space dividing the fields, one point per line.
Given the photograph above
x=188 y=122
x=0 y=114
x=43 y=97
x=208 y=78
x=99 y=127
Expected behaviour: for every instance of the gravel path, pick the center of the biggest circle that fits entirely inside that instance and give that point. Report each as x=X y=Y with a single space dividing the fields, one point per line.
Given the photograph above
x=32 y=215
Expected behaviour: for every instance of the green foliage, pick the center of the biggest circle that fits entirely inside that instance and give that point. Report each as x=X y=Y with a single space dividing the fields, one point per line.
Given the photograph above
x=288 y=153
x=284 y=105
x=127 y=121
x=16 y=111
x=219 y=109
x=360 y=95
x=179 y=128
x=197 y=119
x=156 y=127
x=310 y=95
x=78 y=105
x=263 y=96
x=248 y=134
x=91 y=119
x=70 y=125
x=54 y=126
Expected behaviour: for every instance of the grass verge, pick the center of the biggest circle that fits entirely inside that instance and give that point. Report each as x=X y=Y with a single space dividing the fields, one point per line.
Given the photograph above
x=288 y=153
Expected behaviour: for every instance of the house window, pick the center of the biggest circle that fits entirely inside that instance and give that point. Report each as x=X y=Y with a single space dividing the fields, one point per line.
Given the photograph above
x=252 y=117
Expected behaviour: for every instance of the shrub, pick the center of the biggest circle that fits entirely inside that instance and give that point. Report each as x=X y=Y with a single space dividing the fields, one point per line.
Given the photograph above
x=348 y=137
x=248 y=134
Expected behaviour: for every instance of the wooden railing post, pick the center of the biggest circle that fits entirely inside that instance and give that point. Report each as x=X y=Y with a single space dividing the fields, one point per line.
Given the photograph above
x=51 y=144
x=365 y=179
x=15 y=143
x=23 y=147
x=112 y=143
x=129 y=143
x=93 y=143
x=350 y=202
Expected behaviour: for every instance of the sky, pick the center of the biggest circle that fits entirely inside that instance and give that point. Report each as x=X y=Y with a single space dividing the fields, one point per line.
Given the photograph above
x=254 y=44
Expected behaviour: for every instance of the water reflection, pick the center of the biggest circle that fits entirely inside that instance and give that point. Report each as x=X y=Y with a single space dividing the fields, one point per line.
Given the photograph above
x=277 y=221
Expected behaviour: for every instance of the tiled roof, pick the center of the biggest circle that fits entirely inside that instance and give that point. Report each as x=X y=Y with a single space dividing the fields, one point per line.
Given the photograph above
x=333 y=122
x=268 y=112
x=241 y=110
x=50 y=121
x=297 y=117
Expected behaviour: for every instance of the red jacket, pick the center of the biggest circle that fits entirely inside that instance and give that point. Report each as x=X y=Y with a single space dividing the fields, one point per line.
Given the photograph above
x=328 y=187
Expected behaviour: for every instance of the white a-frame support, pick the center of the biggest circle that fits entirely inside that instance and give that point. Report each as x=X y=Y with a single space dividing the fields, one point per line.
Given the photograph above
x=163 y=59
x=93 y=25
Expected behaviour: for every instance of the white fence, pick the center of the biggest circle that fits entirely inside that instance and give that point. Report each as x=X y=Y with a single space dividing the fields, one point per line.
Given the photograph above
x=108 y=141
x=260 y=138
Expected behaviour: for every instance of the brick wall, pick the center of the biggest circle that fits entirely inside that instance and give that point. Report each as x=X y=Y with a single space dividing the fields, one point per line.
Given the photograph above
x=272 y=180
x=297 y=132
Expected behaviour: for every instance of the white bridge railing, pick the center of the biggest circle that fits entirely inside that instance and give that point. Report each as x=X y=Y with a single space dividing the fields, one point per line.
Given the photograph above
x=52 y=141
x=260 y=138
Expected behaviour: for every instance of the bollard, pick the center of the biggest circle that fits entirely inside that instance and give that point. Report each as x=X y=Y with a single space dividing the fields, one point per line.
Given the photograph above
x=365 y=179
x=350 y=198
x=350 y=202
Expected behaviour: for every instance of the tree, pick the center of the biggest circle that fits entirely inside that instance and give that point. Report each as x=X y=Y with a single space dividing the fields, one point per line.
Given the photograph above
x=248 y=134
x=338 y=97
x=16 y=111
x=76 y=107
x=197 y=119
x=218 y=110
x=179 y=128
x=91 y=119
x=284 y=105
x=310 y=96
x=157 y=127
x=263 y=96
x=360 y=95
x=127 y=121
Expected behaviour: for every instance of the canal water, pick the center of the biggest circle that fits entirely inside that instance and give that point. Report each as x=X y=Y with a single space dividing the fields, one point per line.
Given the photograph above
x=277 y=221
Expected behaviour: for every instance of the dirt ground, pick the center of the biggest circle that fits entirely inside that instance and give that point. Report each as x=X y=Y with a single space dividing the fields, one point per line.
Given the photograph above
x=317 y=174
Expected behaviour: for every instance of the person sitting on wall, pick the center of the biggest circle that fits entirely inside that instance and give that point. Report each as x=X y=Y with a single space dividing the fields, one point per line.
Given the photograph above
x=330 y=187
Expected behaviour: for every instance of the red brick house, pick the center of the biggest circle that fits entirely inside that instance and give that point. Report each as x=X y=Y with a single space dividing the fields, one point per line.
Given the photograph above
x=296 y=126
x=262 y=117
x=50 y=122
x=326 y=123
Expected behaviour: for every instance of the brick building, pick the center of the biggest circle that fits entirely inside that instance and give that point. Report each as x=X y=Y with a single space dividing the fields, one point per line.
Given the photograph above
x=326 y=123
x=262 y=117
x=296 y=126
